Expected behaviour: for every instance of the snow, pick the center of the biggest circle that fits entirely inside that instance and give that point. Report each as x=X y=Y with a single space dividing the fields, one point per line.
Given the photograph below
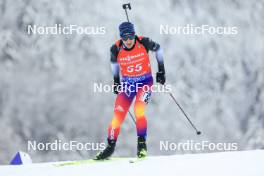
x=238 y=163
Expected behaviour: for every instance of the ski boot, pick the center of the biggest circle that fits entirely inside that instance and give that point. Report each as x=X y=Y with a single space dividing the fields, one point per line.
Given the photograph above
x=108 y=151
x=141 y=147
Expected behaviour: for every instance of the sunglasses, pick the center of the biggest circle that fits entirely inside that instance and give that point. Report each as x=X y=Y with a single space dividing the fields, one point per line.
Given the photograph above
x=130 y=37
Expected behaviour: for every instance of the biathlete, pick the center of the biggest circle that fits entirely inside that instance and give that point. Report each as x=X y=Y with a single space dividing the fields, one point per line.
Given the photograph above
x=129 y=56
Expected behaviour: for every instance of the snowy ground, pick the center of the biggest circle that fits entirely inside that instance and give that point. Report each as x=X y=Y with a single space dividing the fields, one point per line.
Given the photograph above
x=245 y=163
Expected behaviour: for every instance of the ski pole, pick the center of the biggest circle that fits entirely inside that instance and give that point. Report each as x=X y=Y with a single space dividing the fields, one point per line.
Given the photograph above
x=132 y=117
x=174 y=99
x=125 y=7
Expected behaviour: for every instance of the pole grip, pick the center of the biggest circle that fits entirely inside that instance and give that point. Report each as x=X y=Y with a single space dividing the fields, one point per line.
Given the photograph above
x=125 y=6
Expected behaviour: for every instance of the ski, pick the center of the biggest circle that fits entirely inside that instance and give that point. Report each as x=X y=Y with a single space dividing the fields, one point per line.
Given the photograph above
x=89 y=161
x=93 y=161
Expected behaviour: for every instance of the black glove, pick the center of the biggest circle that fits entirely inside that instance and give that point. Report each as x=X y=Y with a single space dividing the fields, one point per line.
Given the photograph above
x=116 y=85
x=160 y=77
x=116 y=88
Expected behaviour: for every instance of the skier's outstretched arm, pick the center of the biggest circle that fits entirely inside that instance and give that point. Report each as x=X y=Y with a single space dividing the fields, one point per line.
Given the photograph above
x=155 y=47
x=115 y=67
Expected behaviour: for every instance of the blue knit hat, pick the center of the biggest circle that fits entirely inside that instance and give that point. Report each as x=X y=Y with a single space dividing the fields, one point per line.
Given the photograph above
x=126 y=28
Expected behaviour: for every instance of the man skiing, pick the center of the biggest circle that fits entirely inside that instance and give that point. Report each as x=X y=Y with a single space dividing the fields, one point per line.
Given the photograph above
x=129 y=55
